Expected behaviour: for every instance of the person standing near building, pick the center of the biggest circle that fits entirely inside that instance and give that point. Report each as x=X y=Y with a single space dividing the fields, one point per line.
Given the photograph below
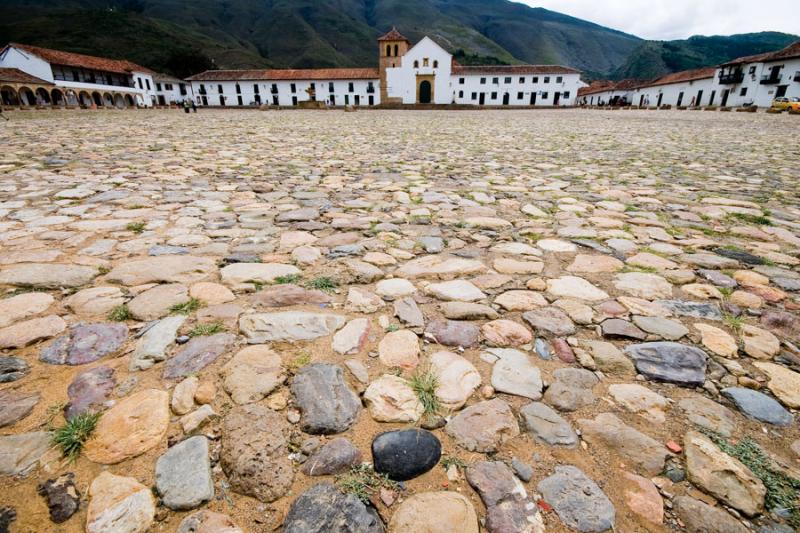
x=194 y=106
x=186 y=105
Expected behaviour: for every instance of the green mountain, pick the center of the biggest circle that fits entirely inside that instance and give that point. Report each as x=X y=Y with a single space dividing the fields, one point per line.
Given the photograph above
x=657 y=58
x=161 y=34
x=186 y=36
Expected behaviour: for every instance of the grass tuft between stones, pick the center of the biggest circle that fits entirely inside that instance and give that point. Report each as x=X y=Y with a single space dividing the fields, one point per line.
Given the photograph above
x=120 y=313
x=206 y=329
x=783 y=491
x=362 y=482
x=186 y=308
x=71 y=436
x=136 y=227
x=424 y=385
x=284 y=280
x=323 y=283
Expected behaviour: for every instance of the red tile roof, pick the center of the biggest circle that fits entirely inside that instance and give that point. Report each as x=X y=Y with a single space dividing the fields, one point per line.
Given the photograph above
x=393 y=35
x=70 y=59
x=790 y=52
x=686 y=75
x=13 y=75
x=513 y=69
x=288 y=74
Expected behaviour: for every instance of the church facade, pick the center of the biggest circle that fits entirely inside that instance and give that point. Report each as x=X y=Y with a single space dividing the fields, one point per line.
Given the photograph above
x=424 y=73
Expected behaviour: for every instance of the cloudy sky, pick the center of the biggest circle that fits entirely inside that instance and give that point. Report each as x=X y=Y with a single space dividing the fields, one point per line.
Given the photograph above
x=678 y=19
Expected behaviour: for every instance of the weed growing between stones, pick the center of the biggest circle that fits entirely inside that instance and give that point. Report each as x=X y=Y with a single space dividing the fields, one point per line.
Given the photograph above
x=283 y=280
x=186 y=308
x=120 y=313
x=783 y=491
x=299 y=362
x=449 y=461
x=759 y=220
x=136 y=227
x=71 y=436
x=362 y=482
x=424 y=385
x=207 y=329
x=323 y=283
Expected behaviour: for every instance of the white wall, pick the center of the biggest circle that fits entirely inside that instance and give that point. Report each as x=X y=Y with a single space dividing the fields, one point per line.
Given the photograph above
x=544 y=85
x=401 y=82
x=172 y=95
x=671 y=93
x=26 y=62
x=758 y=94
x=341 y=94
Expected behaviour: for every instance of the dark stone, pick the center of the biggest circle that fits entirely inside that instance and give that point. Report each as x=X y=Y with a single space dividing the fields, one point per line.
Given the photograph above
x=594 y=245
x=63 y=498
x=453 y=333
x=12 y=369
x=241 y=257
x=85 y=343
x=692 y=309
x=522 y=469
x=740 y=256
x=508 y=509
x=619 y=328
x=287 y=295
x=7 y=515
x=89 y=390
x=322 y=508
x=335 y=457
x=15 y=406
x=405 y=454
x=759 y=406
x=327 y=404
x=346 y=250
x=550 y=320
x=197 y=354
x=671 y=362
x=577 y=500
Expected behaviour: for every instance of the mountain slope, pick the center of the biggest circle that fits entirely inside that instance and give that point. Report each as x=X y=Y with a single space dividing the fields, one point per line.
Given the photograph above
x=657 y=58
x=303 y=33
x=185 y=36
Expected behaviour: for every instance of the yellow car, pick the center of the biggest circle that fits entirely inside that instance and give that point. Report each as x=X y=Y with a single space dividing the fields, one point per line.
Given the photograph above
x=786 y=103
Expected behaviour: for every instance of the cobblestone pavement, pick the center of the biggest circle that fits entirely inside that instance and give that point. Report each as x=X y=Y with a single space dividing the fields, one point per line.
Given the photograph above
x=519 y=321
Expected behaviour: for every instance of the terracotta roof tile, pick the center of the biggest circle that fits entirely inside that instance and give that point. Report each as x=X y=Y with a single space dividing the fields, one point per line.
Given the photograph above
x=686 y=75
x=13 y=75
x=288 y=74
x=393 y=35
x=70 y=59
x=513 y=69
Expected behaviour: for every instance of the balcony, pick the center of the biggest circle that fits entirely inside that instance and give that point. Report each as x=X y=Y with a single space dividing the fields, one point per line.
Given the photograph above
x=771 y=79
x=731 y=78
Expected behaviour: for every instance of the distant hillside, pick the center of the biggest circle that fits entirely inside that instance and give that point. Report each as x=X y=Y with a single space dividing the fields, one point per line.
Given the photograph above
x=182 y=37
x=309 y=33
x=657 y=58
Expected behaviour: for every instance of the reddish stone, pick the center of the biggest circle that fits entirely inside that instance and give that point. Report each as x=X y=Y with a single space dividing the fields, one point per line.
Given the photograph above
x=674 y=447
x=563 y=350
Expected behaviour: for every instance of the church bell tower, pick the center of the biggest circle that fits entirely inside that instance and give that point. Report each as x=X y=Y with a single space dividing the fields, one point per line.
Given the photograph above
x=391 y=47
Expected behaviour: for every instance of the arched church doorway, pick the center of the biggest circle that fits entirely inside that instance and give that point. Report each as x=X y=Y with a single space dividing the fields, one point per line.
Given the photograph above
x=424 y=92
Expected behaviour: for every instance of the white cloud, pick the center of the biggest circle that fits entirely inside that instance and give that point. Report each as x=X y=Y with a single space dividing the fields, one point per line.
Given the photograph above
x=678 y=19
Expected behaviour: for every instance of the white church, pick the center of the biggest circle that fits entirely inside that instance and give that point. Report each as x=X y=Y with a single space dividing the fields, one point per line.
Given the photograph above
x=421 y=74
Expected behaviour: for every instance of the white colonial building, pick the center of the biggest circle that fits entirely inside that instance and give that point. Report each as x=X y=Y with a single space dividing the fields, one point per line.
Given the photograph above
x=421 y=74
x=747 y=81
x=74 y=79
